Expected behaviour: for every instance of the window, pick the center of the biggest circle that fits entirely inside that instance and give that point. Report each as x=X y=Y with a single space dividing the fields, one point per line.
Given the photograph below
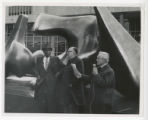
x=57 y=43
x=9 y=28
x=17 y=10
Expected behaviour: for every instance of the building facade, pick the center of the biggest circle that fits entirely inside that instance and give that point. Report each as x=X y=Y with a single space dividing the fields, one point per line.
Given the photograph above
x=128 y=17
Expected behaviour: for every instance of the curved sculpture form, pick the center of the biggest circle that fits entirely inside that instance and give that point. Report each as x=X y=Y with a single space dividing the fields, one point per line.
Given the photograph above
x=113 y=38
x=19 y=59
x=124 y=51
x=80 y=31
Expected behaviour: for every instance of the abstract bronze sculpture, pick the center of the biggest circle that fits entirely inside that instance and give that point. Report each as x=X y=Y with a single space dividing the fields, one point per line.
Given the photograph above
x=19 y=59
x=88 y=33
x=78 y=31
x=124 y=51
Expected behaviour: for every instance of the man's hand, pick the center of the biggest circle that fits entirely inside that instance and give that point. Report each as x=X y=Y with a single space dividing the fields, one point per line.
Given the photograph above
x=73 y=66
x=95 y=70
x=38 y=77
x=76 y=72
x=38 y=80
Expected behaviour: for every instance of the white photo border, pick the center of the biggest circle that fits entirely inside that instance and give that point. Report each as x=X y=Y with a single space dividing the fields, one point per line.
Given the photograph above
x=111 y=3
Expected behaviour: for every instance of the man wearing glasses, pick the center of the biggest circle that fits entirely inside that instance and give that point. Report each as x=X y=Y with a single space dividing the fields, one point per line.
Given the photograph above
x=72 y=89
x=102 y=82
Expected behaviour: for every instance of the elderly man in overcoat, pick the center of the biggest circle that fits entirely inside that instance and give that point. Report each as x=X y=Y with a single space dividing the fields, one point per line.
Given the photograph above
x=102 y=82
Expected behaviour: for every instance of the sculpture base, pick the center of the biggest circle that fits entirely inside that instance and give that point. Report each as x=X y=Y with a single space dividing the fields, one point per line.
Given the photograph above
x=19 y=94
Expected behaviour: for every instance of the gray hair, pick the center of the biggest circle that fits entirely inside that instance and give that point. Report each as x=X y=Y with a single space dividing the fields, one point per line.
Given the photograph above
x=104 y=55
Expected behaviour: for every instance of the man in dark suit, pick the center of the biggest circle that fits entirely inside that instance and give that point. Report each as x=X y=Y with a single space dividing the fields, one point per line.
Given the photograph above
x=46 y=69
x=72 y=89
x=77 y=86
x=102 y=84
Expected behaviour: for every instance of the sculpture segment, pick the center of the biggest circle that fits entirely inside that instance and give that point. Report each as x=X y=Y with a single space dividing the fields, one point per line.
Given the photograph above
x=88 y=33
x=80 y=31
x=19 y=59
x=124 y=51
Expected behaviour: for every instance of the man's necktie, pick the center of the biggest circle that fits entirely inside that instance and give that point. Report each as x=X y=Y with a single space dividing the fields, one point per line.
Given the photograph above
x=46 y=63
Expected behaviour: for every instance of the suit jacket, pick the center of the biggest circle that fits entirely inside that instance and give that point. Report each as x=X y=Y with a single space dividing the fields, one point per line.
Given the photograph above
x=46 y=85
x=76 y=85
x=102 y=86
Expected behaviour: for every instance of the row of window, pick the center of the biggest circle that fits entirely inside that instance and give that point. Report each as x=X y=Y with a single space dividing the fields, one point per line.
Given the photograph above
x=57 y=43
x=17 y=10
x=10 y=27
x=36 y=42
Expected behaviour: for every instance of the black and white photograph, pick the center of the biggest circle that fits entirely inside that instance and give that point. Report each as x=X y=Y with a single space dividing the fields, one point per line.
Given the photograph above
x=72 y=59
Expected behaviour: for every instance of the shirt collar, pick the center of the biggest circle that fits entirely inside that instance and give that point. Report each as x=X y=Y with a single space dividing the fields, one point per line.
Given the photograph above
x=44 y=58
x=102 y=65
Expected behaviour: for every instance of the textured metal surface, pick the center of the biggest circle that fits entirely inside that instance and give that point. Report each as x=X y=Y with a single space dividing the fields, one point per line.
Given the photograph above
x=123 y=49
x=79 y=31
x=19 y=60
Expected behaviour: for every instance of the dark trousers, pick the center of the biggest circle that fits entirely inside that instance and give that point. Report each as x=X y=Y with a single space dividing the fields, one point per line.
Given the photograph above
x=44 y=100
x=101 y=108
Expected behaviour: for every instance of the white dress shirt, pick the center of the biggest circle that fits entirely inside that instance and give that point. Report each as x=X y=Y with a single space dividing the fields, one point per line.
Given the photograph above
x=46 y=61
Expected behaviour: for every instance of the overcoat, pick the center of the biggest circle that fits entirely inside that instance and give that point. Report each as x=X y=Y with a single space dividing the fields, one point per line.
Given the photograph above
x=45 y=92
x=101 y=95
x=71 y=89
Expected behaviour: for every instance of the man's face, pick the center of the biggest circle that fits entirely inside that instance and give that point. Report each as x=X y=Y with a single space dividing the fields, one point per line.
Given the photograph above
x=47 y=53
x=100 y=60
x=70 y=53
